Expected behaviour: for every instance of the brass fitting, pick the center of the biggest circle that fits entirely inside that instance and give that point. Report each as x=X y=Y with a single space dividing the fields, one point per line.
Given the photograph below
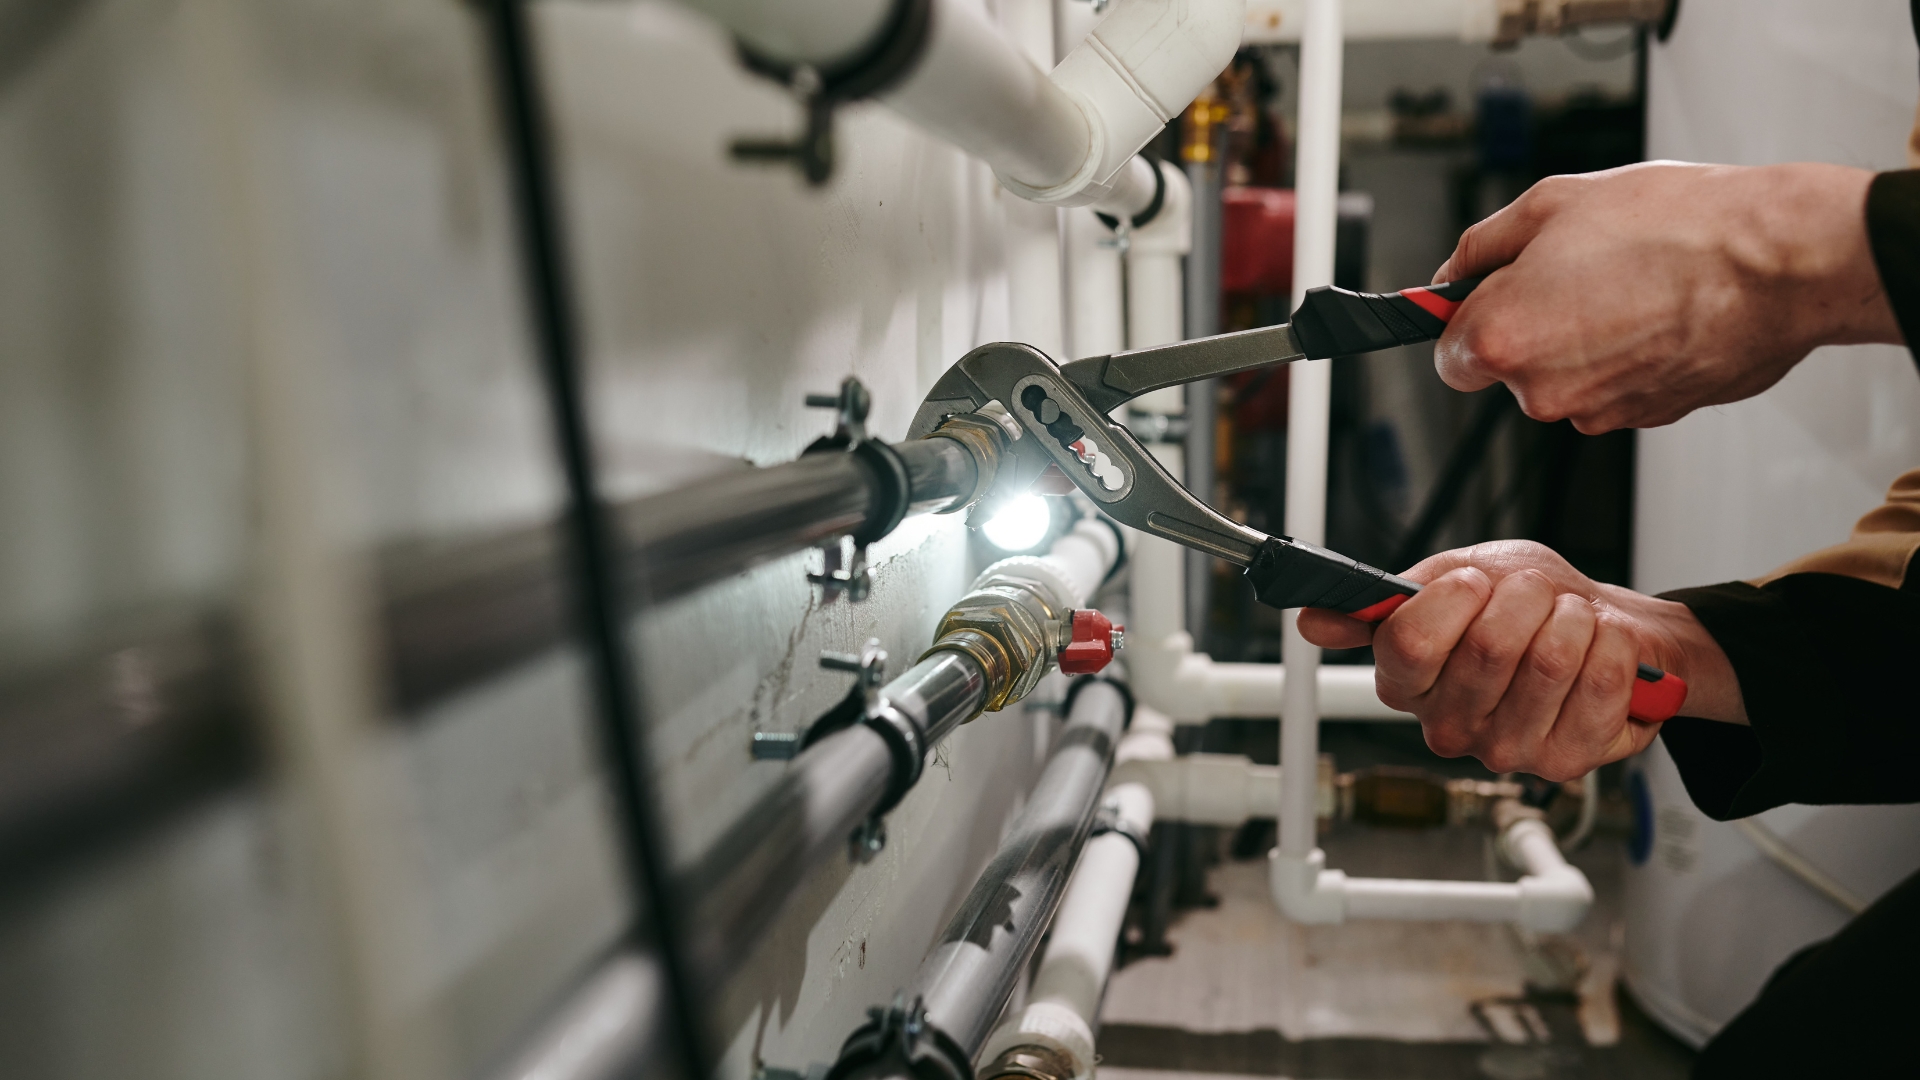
x=1030 y=1062
x=986 y=438
x=1208 y=111
x=1011 y=627
x=1519 y=18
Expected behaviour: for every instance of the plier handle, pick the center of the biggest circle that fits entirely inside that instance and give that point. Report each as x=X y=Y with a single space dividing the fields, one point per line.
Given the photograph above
x=1064 y=413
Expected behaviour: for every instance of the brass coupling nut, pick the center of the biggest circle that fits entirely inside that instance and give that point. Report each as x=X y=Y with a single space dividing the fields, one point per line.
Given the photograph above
x=986 y=439
x=1009 y=631
x=1030 y=1062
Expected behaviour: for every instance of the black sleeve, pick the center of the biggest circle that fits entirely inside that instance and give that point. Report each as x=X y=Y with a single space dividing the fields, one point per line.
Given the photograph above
x=1829 y=668
x=1893 y=231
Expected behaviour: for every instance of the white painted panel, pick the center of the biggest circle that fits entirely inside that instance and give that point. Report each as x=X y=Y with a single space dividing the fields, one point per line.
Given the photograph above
x=1733 y=491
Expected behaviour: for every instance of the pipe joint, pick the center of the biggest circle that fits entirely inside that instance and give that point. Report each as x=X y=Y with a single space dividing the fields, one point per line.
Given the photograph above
x=986 y=439
x=1060 y=1046
x=1007 y=628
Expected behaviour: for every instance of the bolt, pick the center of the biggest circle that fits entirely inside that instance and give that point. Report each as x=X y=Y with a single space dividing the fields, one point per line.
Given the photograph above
x=867 y=841
x=1118 y=638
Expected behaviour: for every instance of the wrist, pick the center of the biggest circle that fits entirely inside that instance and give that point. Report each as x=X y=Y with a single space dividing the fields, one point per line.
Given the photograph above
x=1810 y=244
x=1673 y=639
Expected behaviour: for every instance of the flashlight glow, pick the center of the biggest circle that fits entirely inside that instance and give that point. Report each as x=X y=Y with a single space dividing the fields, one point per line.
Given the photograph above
x=1020 y=524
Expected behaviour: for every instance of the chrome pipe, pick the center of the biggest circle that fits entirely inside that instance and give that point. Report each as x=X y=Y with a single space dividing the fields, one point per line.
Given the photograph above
x=942 y=1019
x=834 y=787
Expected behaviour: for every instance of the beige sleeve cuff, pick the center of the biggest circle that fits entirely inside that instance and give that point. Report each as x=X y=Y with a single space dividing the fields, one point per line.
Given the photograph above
x=1882 y=546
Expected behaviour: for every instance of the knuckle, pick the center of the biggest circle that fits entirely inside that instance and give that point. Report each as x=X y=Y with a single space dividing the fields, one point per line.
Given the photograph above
x=1485 y=650
x=1609 y=680
x=1400 y=647
x=1556 y=661
x=1501 y=759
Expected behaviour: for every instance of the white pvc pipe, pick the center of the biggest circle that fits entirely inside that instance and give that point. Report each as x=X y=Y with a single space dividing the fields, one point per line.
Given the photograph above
x=1064 y=1002
x=1067 y=138
x=978 y=91
x=1156 y=305
x=1036 y=285
x=1096 y=325
x=815 y=33
x=1552 y=896
x=1273 y=22
x=1193 y=687
x=1316 y=215
x=1206 y=789
x=1071 y=570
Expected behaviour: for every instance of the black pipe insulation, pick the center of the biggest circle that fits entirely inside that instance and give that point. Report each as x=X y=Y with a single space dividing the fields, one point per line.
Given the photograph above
x=836 y=785
x=946 y=1014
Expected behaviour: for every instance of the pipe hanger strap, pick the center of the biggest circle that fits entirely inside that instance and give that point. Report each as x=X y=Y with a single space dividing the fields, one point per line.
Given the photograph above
x=1335 y=322
x=887 y=58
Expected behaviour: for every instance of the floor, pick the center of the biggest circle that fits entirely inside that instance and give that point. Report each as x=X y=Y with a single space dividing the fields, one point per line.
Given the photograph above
x=1247 y=993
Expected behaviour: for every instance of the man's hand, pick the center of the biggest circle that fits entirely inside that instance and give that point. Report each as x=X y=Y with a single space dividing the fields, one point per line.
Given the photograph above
x=1631 y=297
x=1515 y=657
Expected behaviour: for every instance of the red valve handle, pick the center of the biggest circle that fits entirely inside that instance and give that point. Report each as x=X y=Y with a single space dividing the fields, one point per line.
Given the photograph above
x=1092 y=643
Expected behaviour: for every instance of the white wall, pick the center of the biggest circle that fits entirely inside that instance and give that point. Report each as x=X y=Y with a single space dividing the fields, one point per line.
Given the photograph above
x=192 y=191
x=1731 y=492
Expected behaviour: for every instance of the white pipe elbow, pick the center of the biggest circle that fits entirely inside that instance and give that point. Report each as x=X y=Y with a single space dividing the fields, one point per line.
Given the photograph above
x=1134 y=73
x=1554 y=894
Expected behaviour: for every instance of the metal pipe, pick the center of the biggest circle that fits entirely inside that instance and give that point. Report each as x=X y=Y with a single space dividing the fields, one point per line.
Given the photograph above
x=967 y=978
x=1202 y=150
x=833 y=788
x=606 y=1029
x=964 y=982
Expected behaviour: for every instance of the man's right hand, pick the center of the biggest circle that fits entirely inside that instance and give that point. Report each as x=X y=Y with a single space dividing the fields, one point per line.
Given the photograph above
x=1631 y=297
x=1511 y=655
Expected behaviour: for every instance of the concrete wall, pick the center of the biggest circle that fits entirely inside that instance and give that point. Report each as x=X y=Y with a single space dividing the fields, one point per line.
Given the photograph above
x=260 y=317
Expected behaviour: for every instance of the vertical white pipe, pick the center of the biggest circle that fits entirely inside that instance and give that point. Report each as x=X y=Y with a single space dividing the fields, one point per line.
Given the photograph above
x=1317 y=187
x=1095 y=325
x=1036 y=285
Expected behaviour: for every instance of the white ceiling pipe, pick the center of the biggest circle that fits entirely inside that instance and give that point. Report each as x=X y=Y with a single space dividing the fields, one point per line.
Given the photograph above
x=1552 y=896
x=1066 y=138
x=1064 y=1001
x=1036 y=289
x=1138 y=68
x=1191 y=686
x=802 y=33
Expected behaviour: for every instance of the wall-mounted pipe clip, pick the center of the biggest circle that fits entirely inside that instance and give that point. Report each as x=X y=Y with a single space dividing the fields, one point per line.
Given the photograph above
x=822 y=88
x=896 y=1043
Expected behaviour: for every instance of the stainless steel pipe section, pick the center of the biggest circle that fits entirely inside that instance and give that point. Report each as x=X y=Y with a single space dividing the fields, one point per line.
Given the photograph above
x=457 y=613
x=680 y=540
x=965 y=981
x=741 y=883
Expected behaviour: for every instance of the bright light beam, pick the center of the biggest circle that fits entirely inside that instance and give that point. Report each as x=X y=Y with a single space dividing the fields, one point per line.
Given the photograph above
x=1020 y=525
